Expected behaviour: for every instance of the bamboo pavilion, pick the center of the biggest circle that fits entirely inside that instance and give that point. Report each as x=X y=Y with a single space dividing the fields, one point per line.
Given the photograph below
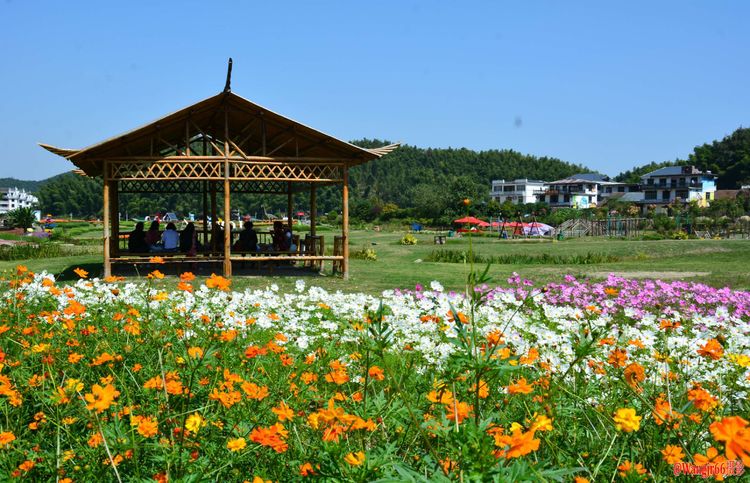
x=222 y=145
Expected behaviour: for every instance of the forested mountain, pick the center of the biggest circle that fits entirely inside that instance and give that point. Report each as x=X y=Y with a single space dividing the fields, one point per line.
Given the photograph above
x=31 y=186
x=411 y=181
x=729 y=159
x=427 y=180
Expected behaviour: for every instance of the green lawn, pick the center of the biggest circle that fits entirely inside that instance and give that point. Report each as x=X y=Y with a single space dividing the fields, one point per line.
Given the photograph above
x=715 y=262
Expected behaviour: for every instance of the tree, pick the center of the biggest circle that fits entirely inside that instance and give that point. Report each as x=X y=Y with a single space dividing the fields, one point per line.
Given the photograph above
x=22 y=218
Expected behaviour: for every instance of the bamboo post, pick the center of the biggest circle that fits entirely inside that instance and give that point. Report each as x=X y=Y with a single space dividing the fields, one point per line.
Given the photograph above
x=345 y=224
x=289 y=204
x=105 y=227
x=227 y=208
x=114 y=218
x=227 y=225
x=313 y=208
x=204 y=186
x=214 y=226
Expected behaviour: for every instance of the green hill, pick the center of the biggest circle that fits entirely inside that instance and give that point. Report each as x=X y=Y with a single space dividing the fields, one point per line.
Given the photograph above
x=421 y=179
x=32 y=186
x=728 y=158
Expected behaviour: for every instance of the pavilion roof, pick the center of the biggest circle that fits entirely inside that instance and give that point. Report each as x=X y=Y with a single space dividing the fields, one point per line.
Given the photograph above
x=284 y=137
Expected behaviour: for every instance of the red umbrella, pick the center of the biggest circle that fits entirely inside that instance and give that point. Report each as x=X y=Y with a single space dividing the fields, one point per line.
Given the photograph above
x=483 y=224
x=470 y=220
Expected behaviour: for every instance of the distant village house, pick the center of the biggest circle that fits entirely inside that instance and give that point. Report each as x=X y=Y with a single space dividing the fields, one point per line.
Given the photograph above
x=14 y=198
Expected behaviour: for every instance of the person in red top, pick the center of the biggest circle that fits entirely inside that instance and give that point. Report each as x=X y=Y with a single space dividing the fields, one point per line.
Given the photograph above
x=153 y=236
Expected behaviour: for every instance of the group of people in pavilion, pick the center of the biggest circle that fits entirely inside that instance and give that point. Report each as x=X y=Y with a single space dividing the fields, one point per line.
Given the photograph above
x=186 y=241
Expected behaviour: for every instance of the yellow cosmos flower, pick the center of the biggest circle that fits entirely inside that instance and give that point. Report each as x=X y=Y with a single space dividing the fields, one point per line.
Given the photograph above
x=355 y=459
x=236 y=444
x=194 y=423
x=627 y=420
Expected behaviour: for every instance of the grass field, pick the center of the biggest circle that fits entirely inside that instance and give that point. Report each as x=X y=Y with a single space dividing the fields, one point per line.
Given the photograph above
x=717 y=263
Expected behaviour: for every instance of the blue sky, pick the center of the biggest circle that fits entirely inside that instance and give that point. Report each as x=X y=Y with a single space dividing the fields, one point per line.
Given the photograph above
x=607 y=84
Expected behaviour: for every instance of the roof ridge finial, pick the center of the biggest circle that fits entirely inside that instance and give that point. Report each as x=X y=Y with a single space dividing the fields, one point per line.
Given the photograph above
x=228 y=85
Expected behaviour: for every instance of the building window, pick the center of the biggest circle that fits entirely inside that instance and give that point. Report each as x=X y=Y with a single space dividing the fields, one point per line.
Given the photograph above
x=508 y=188
x=553 y=199
x=665 y=194
x=650 y=195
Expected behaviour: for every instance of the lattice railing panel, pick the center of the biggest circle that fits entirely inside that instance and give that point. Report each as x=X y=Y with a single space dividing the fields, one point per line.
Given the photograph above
x=149 y=186
x=286 y=172
x=165 y=170
x=269 y=187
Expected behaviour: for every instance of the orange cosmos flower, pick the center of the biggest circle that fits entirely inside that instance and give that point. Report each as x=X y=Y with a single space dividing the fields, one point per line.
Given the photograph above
x=218 y=282
x=187 y=277
x=195 y=352
x=236 y=444
x=634 y=374
x=672 y=454
x=338 y=377
x=185 y=287
x=271 y=436
x=254 y=391
x=95 y=440
x=733 y=431
x=530 y=357
x=306 y=469
x=712 y=349
x=516 y=444
x=712 y=456
x=617 y=358
x=155 y=274
x=702 y=399
x=254 y=351
x=103 y=358
x=628 y=467
x=81 y=272
x=101 y=398
x=157 y=260
x=484 y=389
x=146 y=426
x=376 y=373
x=664 y=414
x=355 y=459
x=283 y=412
x=611 y=291
x=458 y=411
x=520 y=387
x=442 y=396
x=6 y=437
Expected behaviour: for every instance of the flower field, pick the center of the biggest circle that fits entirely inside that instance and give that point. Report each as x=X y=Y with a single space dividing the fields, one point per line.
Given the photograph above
x=104 y=380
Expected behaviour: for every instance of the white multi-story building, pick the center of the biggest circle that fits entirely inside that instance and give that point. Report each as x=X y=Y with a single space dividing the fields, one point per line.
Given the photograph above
x=519 y=191
x=13 y=198
x=684 y=183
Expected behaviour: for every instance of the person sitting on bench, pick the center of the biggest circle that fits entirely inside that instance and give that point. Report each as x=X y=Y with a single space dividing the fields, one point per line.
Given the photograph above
x=248 y=241
x=153 y=235
x=282 y=237
x=170 y=239
x=137 y=240
x=189 y=240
